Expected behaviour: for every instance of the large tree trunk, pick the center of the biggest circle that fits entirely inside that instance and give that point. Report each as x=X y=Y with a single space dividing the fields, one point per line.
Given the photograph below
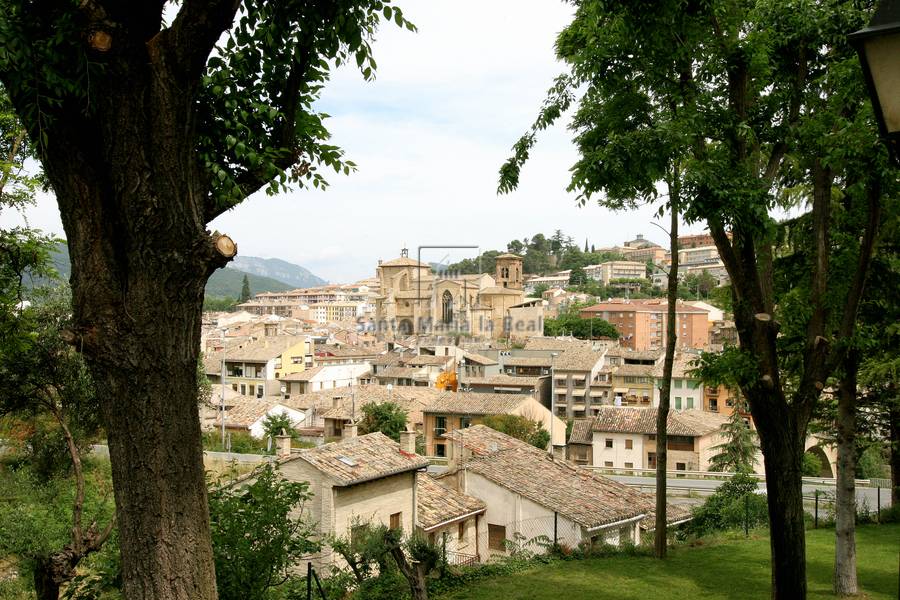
x=131 y=197
x=844 y=580
x=782 y=448
x=45 y=585
x=662 y=415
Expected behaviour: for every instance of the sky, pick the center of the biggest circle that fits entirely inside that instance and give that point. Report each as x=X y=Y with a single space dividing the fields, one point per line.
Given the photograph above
x=429 y=136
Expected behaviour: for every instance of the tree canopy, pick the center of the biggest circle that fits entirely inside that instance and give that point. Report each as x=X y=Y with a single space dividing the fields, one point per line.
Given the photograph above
x=747 y=108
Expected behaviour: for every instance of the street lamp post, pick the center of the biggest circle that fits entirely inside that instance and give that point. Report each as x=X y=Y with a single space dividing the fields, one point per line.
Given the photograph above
x=878 y=46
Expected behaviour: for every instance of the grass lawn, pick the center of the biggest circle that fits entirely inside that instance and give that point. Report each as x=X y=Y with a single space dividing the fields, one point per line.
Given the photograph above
x=728 y=567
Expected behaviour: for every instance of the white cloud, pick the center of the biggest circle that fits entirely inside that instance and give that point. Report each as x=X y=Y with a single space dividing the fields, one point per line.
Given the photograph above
x=429 y=136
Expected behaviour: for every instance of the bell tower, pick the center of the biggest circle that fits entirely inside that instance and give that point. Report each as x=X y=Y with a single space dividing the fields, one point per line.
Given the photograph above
x=509 y=271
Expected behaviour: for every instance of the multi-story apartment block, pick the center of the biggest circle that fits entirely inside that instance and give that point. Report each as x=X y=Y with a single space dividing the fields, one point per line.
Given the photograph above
x=617 y=269
x=254 y=367
x=337 y=312
x=625 y=438
x=642 y=324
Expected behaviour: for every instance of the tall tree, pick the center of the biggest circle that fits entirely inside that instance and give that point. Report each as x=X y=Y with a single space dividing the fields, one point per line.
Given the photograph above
x=660 y=541
x=147 y=130
x=765 y=97
x=245 y=289
x=737 y=454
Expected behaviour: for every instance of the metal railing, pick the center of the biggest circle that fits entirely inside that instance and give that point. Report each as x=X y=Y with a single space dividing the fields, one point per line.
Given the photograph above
x=460 y=558
x=634 y=472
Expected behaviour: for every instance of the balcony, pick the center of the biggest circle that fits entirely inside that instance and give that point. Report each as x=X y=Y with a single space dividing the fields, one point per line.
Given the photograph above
x=440 y=431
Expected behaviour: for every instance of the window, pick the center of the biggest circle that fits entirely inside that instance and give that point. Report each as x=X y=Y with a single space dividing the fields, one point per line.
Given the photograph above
x=447 y=307
x=496 y=537
x=609 y=443
x=440 y=450
x=608 y=464
x=396 y=520
x=680 y=467
x=713 y=405
x=677 y=402
x=465 y=422
x=440 y=425
x=690 y=403
x=461 y=531
x=629 y=444
x=629 y=465
x=651 y=460
x=243 y=389
x=676 y=383
x=260 y=390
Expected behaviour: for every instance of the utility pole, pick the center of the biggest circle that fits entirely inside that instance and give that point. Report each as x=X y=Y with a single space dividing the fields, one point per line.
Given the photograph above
x=222 y=380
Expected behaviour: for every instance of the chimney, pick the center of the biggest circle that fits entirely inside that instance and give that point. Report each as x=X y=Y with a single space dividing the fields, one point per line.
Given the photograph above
x=350 y=431
x=335 y=400
x=283 y=443
x=408 y=442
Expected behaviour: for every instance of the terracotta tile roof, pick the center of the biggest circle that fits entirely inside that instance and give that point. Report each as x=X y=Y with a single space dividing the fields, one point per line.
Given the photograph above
x=628 y=354
x=528 y=361
x=509 y=255
x=633 y=371
x=481 y=440
x=426 y=360
x=474 y=403
x=263 y=349
x=385 y=360
x=701 y=422
x=622 y=419
x=339 y=403
x=437 y=504
x=247 y=410
x=400 y=372
x=551 y=343
x=504 y=379
x=577 y=359
x=681 y=366
x=305 y=375
x=582 y=431
x=342 y=351
x=478 y=359
x=361 y=459
x=656 y=306
x=674 y=514
x=578 y=494
x=212 y=363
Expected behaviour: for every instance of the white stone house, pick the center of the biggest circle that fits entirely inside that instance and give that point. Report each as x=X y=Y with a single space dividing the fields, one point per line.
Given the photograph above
x=532 y=499
x=365 y=479
x=625 y=438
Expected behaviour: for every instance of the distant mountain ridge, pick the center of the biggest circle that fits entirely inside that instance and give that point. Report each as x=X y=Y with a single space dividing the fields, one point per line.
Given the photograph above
x=264 y=275
x=275 y=268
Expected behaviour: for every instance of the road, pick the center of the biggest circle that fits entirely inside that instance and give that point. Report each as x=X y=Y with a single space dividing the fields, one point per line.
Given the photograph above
x=865 y=496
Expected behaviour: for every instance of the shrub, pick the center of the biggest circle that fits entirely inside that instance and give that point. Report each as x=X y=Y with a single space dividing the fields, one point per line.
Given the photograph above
x=734 y=504
x=812 y=465
x=256 y=539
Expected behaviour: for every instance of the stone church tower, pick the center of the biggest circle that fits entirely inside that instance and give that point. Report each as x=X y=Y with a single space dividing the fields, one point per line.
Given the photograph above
x=509 y=271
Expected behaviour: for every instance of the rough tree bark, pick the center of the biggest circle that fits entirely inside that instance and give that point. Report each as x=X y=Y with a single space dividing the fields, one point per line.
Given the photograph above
x=132 y=198
x=894 y=431
x=844 y=580
x=414 y=573
x=782 y=424
x=661 y=533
